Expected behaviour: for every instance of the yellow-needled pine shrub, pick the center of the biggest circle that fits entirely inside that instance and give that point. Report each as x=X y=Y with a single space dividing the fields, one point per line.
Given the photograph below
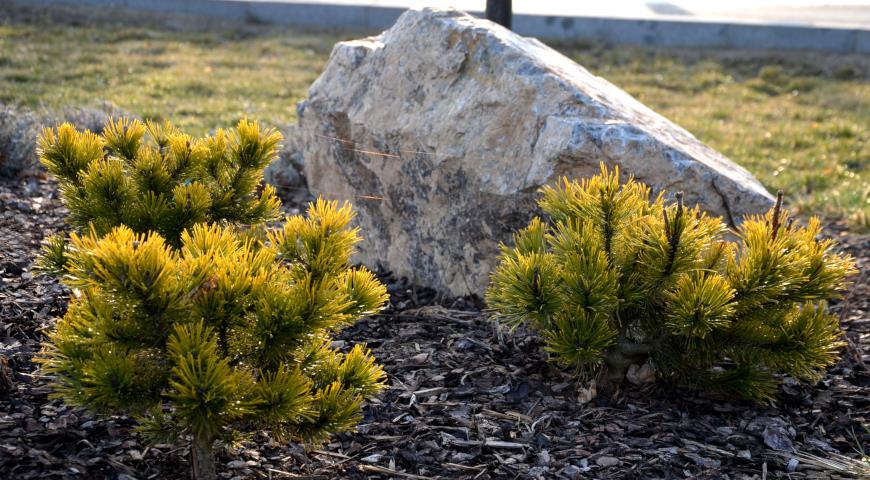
x=151 y=177
x=614 y=277
x=188 y=311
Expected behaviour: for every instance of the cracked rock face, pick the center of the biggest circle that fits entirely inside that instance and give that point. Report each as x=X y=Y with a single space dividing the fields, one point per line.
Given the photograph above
x=442 y=129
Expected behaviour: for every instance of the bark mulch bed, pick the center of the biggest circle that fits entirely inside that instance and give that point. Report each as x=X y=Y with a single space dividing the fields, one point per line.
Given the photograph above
x=464 y=401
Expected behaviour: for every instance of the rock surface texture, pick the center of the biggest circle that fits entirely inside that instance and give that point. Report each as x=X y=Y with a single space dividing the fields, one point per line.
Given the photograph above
x=442 y=129
x=286 y=173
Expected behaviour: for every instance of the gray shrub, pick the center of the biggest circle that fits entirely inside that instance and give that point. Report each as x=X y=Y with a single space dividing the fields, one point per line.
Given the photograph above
x=19 y=129
x=20 y=126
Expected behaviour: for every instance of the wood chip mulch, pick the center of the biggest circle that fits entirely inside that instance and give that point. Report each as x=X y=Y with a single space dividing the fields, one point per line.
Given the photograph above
x=464 y=400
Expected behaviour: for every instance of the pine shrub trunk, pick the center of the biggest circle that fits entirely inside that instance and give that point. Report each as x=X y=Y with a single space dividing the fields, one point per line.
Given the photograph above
x=202 y=459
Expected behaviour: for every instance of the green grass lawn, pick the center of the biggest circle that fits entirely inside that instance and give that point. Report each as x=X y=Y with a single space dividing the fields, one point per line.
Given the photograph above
x=800 y=122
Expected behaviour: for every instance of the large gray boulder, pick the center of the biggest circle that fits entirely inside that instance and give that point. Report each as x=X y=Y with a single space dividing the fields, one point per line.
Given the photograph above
x=286 y=172
x=441 y=130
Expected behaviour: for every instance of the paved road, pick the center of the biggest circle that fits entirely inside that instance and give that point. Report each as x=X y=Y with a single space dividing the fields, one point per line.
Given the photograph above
x=818 y=13
x=752 y=24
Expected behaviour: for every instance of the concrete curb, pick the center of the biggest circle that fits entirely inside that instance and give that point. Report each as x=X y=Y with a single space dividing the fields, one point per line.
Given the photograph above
x=611 y=30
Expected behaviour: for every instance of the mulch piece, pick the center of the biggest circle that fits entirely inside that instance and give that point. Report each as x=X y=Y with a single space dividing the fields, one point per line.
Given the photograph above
x=464 y=400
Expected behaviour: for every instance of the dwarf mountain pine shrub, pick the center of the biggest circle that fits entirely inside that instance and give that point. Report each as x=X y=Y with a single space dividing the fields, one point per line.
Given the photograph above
x=614 y=279
x=199 y=320
x=153 y=178
x=226 y=333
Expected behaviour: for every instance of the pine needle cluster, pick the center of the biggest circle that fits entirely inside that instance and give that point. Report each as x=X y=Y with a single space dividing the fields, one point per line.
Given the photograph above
x=615 y=279
x=195 y=316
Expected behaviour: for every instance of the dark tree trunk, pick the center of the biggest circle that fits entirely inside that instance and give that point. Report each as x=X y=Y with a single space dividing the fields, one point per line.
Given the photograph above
x=202 y=460
x=499 y=11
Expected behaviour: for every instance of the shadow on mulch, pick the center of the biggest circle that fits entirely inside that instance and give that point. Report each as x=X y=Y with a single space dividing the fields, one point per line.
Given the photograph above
x=463 y=401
